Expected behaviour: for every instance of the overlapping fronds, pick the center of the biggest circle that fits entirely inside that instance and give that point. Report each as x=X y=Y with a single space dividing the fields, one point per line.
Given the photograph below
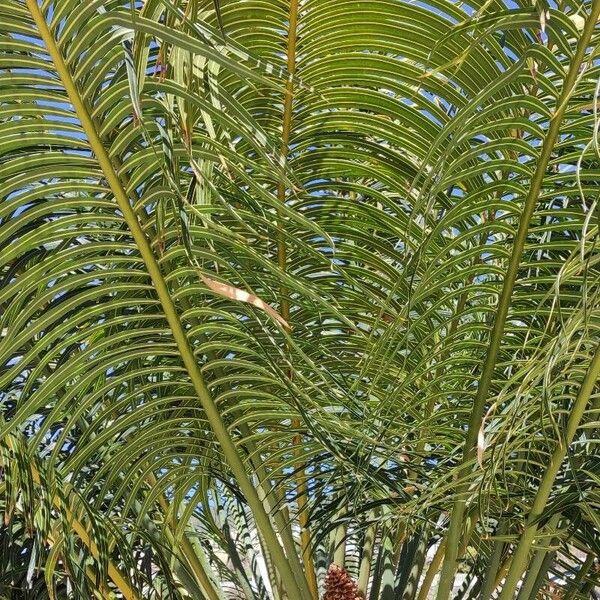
x=296 y=283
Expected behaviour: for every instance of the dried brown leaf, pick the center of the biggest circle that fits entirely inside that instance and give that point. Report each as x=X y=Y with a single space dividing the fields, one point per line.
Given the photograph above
x=234 y=293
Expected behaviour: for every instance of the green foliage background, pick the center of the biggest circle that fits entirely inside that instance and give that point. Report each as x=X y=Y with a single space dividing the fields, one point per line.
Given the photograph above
x=286 y=283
